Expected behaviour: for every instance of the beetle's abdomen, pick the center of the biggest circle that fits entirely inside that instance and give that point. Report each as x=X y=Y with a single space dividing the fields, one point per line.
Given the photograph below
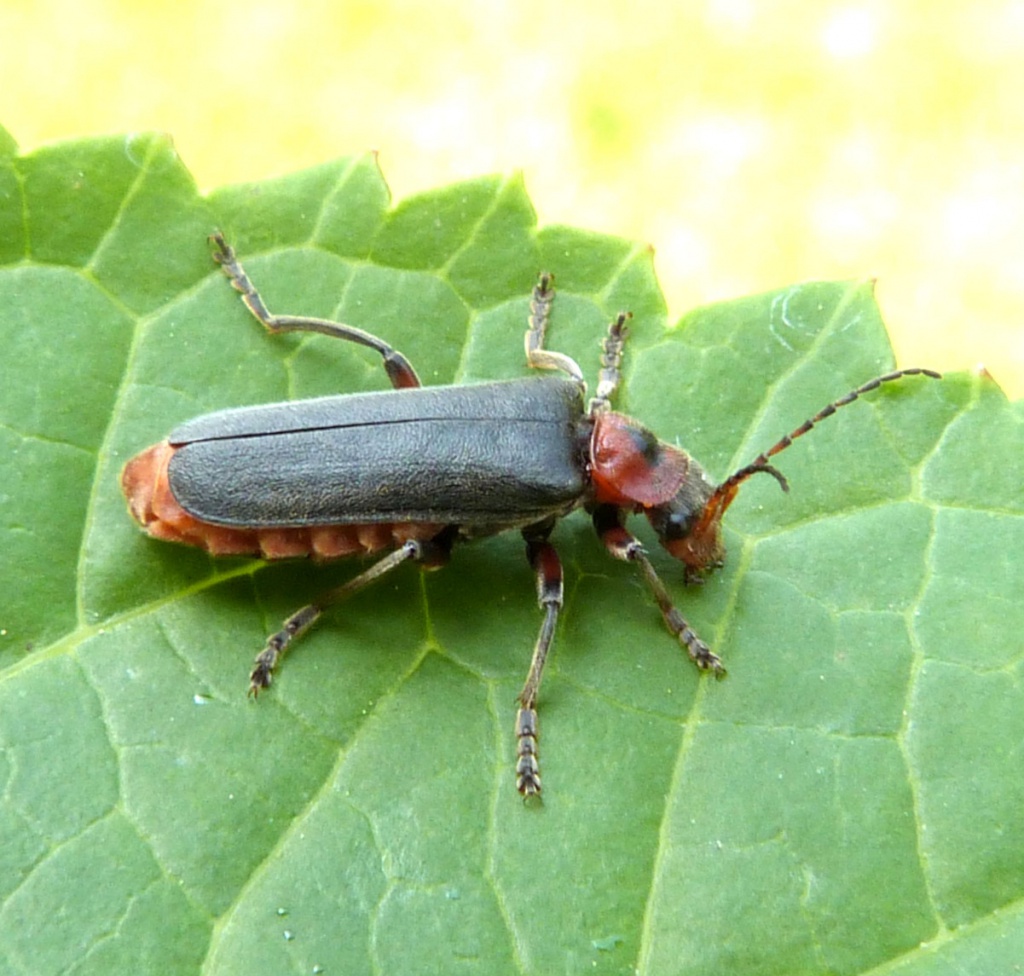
x=153 y=505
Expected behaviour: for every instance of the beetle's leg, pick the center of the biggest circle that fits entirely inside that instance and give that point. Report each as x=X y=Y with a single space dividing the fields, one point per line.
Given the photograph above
x=537 y=356
x=548 y=567
x=398 y=368
x=611 y=363
x=622 y=545
x=433 y=552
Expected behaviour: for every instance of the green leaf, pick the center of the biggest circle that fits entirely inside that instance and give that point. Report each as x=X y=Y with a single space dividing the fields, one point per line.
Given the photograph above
x=849 y=801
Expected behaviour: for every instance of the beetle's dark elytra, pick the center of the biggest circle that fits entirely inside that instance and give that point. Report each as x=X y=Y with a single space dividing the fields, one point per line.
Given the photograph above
x=483 y=456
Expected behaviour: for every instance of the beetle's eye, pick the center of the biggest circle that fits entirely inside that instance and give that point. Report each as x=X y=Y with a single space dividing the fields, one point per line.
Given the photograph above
x=671 y=523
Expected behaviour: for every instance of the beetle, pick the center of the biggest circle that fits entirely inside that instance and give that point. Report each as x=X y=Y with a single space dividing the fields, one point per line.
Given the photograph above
x=414 y=470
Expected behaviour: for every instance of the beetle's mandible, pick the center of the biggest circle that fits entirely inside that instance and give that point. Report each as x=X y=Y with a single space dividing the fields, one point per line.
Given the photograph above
x=416 y=469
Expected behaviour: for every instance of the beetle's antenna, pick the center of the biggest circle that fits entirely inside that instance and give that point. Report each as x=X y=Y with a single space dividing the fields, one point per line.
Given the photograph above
x=726 y=491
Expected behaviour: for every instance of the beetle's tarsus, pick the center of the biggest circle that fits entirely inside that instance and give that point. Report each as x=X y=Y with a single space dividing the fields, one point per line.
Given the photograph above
x=266 y=661
x=223 y=250
x=700 y=653
x=262 y=674
x=527 y=766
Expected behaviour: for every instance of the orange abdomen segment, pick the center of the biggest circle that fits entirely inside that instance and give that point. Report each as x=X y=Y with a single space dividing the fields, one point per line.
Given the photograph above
x=153 y=505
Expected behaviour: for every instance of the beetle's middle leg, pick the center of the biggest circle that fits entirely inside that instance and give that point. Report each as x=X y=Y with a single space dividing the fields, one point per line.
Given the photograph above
x=398 y=368
x=537 y=356
x=432 y=553
x=548 y=568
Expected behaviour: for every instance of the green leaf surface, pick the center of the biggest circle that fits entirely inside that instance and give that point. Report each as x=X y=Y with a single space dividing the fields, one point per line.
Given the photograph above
x=849 y=801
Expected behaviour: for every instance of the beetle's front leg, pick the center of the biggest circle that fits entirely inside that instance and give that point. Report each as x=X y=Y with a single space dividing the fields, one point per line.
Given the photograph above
x=548 y=569
x=432 y=553
x=625 y=546
x=611 y=364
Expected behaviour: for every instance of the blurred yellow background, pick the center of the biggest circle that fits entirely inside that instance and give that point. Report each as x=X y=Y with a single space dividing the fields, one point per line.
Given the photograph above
x=752 y=144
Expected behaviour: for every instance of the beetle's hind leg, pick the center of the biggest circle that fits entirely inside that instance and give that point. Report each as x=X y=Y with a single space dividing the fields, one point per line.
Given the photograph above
x=432 y=553
x=398 y=368
x=548 y=568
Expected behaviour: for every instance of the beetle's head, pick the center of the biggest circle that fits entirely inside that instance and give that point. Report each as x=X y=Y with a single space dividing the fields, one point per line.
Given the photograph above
x=689 y=529
x=632 y=469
